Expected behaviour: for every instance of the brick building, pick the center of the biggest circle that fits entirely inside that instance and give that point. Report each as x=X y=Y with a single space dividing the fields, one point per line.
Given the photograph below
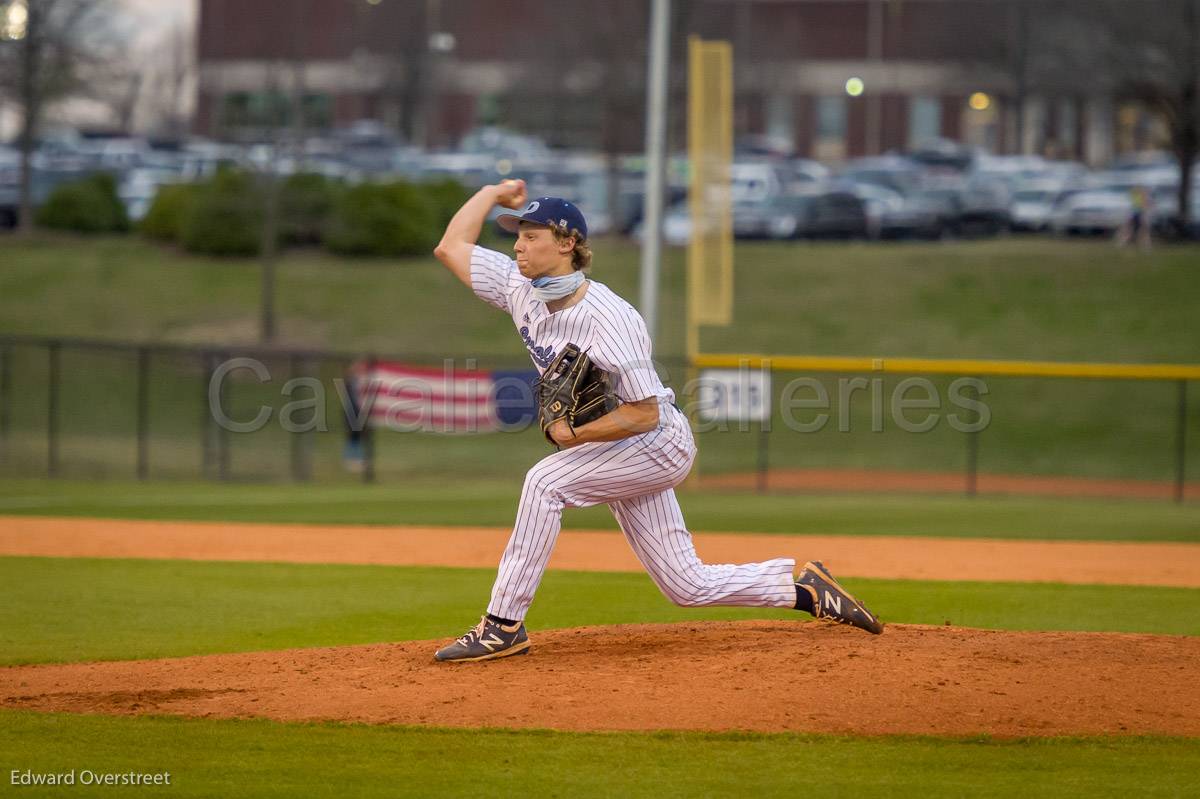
x=573 y=72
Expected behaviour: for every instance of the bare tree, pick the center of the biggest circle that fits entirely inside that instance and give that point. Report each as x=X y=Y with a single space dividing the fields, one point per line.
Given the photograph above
x=46 y=57
x=1142 y=50
x=168 y=66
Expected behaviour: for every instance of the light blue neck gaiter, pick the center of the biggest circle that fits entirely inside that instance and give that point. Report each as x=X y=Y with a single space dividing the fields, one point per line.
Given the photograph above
x=555 y=288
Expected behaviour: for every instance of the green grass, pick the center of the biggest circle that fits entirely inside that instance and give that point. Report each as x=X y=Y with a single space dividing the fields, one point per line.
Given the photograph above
x=262 y=758
x=1028 y=298
x=493 y=503
x=1019 y=298
x=1022 y=298
x=61 y=610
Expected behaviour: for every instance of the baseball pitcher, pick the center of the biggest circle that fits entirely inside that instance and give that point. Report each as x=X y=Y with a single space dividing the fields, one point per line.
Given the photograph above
x=619 y=437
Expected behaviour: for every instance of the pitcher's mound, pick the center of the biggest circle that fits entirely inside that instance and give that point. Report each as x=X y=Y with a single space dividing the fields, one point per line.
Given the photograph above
x=757 y=675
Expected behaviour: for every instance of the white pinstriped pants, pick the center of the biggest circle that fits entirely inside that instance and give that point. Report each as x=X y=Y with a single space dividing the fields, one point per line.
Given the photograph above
x=636 y=477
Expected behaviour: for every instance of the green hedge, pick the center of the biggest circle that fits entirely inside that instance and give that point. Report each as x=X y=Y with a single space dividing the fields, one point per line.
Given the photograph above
x=306 y=203
x=392 y=219
x=89 y=205
x=447 y=197
x=165 y=218
x=224 y=215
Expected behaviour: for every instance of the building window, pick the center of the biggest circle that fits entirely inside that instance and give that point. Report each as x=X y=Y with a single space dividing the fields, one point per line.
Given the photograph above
x=781 y=121
x=924 y=121
x=1068 y=128
x=273 y=109
x=831 y=128
x=318 y=111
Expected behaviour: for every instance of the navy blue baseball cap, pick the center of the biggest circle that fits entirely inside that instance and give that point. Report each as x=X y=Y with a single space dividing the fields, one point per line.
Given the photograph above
x=549 y=211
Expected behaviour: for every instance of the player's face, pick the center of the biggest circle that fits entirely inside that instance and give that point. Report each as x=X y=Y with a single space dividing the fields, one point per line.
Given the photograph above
x=538 y=254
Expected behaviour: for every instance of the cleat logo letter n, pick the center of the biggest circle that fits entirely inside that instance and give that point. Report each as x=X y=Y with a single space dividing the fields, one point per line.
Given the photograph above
x=834 y=602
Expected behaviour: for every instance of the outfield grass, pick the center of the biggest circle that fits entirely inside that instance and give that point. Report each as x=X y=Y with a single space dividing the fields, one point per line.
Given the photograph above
x=61 y=610
x=262 y=758
x=1029 y=298
x=1019 y=298
x=494 y=502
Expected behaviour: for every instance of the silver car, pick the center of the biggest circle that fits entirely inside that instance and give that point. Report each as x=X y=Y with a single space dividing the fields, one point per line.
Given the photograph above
x=1094 y=212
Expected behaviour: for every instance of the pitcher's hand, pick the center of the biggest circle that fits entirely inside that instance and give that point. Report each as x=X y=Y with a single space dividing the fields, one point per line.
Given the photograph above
x=511 y=194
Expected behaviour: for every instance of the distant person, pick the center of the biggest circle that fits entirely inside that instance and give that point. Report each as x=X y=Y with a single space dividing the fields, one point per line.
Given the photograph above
x=1141 y=218
x=354 y=456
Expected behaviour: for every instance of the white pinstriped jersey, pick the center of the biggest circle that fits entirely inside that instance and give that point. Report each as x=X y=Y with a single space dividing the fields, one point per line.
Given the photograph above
x=603 y=325
x=634 y=476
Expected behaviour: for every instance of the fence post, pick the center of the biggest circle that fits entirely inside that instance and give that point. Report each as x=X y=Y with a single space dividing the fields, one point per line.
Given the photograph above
x=1181 y=443
x=223 y=456
x=143 y=413
x=5 y=393
x=763 y=459
x=206 y=420
x=301 y=441
x=368 y=437
x=52 y=351
x=973 y=453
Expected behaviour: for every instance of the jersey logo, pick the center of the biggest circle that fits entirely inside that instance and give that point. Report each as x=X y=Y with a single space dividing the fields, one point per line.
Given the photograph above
x=542 y=356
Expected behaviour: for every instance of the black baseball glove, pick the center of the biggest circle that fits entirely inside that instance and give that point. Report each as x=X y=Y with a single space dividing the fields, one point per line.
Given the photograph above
x=575 y=389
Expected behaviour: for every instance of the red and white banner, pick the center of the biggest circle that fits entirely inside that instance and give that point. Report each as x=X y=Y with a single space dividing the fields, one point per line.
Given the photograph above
x=437 y=400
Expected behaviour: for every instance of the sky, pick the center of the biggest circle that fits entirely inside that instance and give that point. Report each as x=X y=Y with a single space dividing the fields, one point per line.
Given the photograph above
x=148 y=21
x=152 y=17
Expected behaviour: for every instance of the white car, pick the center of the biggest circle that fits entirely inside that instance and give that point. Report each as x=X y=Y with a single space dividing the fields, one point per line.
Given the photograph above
x=1032 y=205
x=1092 y=212
x=676 y=225
x=138 y=187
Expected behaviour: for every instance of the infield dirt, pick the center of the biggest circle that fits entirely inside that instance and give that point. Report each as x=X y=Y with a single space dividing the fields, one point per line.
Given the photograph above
x=756 y=675
x=764 y=676
x=884 y=557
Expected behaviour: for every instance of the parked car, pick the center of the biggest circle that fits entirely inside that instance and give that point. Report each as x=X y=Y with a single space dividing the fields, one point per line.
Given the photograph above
x=503 y=143
x=944 y=154
x=984 y=208
x=801 y=174
x=676 y=225
x=756 y=180
x=1032 y=206
x=836 y=214
x=1011 y=170
x=1165 y=217
x=890 y=171
x=138 y=187
x=1091 y=212
x=471 y=170
x=917 y=217
x=878 y=202
x=778 y=217
x=945 y=204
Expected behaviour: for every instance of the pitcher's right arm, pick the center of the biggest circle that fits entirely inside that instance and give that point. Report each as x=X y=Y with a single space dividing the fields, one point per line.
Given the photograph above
x=454 y=250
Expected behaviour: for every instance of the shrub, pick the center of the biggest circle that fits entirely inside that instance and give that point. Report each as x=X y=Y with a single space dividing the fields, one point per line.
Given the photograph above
x=391 y=219
x=89 y=205
x=225 y=216
x=168 y=212
x=306 y=204
x=447 y=196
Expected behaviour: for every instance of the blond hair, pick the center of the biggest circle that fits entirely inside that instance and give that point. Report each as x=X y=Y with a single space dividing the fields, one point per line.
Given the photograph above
x=581 y=256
